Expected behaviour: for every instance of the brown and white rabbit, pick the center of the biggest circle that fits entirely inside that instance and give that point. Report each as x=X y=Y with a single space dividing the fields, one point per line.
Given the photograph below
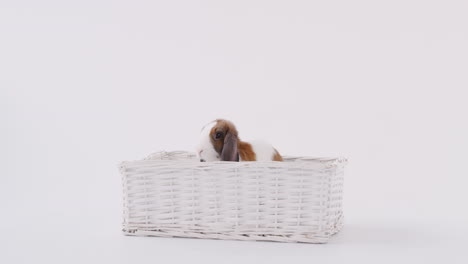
x=220 y=142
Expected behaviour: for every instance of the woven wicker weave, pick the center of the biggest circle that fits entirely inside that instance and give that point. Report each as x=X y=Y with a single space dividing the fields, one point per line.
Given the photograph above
x=171 y=194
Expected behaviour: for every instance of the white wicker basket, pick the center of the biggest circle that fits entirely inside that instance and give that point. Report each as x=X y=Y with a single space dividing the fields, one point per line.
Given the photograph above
x=172 y=194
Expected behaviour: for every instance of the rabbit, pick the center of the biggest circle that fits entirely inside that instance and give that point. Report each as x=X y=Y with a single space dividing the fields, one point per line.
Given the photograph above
x=219 y=141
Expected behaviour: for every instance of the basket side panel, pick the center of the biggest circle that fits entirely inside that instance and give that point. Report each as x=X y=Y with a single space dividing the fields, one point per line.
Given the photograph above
x=335 y=203
x=244 y=201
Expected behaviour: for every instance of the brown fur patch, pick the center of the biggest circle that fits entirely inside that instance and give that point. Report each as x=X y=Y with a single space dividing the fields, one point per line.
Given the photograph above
x=246 y=152
x=222 y=126
x=277 y=156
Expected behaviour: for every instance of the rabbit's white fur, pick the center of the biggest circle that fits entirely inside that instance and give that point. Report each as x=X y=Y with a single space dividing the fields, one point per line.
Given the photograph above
x=205 y=149
x=264 y=151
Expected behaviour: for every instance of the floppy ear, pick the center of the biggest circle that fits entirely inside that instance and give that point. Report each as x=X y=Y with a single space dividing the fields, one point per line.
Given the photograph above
x=230 y=151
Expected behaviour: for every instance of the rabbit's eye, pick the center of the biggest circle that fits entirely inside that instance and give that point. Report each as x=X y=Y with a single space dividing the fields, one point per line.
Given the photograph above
x=218 y=135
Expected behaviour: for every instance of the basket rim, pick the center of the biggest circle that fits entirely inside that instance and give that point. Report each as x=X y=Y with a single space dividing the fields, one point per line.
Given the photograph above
x=187 y=157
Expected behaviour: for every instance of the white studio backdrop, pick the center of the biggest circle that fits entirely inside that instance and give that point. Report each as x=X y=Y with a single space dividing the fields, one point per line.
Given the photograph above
x=86 y=84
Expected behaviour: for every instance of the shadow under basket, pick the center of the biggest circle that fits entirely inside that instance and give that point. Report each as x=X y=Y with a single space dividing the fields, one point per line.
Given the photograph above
x=172 y=194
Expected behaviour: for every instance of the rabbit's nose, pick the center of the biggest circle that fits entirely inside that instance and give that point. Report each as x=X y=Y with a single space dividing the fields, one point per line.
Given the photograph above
x=202 y=160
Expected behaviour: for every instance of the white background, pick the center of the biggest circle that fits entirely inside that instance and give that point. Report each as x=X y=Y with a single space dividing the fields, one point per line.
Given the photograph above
x=86 y=84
